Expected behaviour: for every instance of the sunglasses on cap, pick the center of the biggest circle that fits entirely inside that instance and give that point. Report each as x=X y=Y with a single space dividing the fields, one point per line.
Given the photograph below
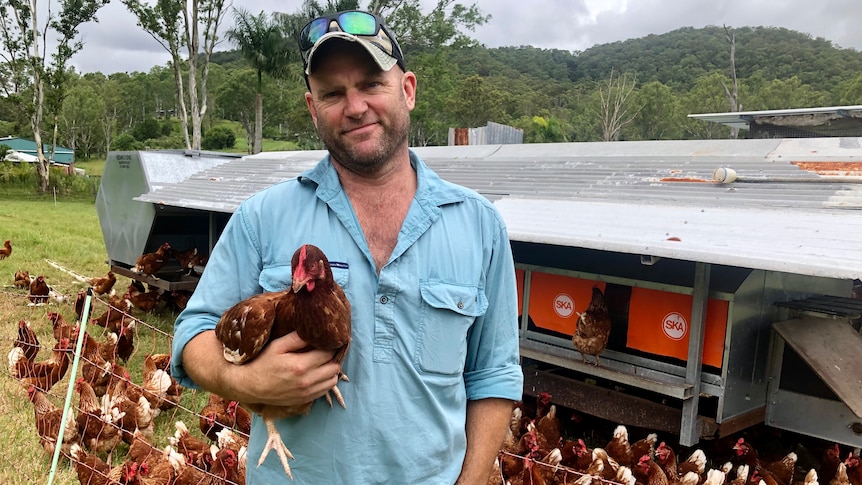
x=352 y=22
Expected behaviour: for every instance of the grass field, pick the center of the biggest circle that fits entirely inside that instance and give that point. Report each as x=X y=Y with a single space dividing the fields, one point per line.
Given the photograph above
x=66 y=232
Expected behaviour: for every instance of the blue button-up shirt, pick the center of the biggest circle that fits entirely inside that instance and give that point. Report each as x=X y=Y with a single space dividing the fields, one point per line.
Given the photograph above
x=436 y=327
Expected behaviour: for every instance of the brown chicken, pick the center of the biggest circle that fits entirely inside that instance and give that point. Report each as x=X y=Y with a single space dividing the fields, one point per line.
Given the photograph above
x=48 y=419
x=188 y=444
x=213 y=417
x=667 y=460
x=594 y=328
x=151 y=263
x=829 y=463
x=124 y=400
x=94 y=368
x=22 y=279
x=104 y=284
x=39 y=291
x=145 y=302
x=643 y=446
x=781 y=471
x=315 y=307
x=548 y=427
x=619 y=447
x=179 y=299
x=44 y=374
x=126 y=340
x=27 y=341
x=189 y=258
x=853 y=464
x=118 y=310
x=59 y=326
x=6 y=250
x=98 y=432
x=80 y=299
x=649 y=472
x=220 y=413
x=226 y=466
x=92 y=470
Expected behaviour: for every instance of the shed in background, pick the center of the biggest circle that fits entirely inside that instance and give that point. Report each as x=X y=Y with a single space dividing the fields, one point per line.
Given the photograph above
x=62 y=155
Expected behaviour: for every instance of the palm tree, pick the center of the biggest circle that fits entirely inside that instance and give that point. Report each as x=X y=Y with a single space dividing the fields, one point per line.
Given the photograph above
x=264 y=45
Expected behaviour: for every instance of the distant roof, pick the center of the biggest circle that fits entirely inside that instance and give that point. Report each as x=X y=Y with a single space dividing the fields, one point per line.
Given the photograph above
x=741 y=119
x=649 y=198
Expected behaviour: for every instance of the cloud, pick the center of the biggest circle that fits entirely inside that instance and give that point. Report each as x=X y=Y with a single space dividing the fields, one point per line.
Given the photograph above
x=117 y=44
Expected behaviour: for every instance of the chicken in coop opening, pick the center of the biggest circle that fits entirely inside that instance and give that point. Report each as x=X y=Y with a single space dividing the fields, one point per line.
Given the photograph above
x=594 y=328
x=314 y=306
x=151 y=263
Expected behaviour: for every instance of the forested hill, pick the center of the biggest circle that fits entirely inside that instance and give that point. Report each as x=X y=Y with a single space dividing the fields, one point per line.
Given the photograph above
x=678 y=58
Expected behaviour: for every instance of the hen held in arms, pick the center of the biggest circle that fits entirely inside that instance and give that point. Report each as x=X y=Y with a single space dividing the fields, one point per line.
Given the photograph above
x=314 y=306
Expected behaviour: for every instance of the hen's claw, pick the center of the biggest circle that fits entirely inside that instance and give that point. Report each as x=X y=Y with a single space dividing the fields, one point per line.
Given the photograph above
x=274 y=442
x=337 y=393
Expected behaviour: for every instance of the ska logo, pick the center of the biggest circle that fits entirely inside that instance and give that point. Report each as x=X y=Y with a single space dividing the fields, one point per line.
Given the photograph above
x=564 y=306
x=674 y=326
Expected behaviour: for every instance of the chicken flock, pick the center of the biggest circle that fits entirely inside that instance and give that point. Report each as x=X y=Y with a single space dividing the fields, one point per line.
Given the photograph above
x=535 y=452
x=109 y=436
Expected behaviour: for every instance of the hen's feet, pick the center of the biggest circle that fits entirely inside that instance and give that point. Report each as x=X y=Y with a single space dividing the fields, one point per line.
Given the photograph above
x=274 y=442
x=337 y=393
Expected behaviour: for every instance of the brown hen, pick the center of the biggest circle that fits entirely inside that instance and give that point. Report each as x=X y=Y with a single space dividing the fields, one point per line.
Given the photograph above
x=39 y=291
x=6 y=250
x=27 y=340
x=22 y=279
x=103 y=284
x=594 y=328
x=315 y=307
x=151 y=263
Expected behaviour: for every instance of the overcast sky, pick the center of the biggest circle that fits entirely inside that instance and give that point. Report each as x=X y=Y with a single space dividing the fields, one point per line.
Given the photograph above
x=116 y=44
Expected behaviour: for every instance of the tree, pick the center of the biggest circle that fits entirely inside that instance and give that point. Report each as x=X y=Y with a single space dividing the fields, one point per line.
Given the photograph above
x=733 y=91
x=707 y=96
x=263 y=44
x=658 y=115
x=615 y=111
x=475 y=104
x=23 y=34
x=176 y=25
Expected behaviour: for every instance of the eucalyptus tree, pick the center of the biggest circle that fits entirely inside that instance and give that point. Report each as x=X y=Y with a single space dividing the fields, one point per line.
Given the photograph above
x=36 y=84
x=264 y=46
x=189 y=25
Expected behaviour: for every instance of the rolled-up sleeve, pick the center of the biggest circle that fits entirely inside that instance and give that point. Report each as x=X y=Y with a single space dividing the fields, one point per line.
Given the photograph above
x=231 y=275
x=493 y=367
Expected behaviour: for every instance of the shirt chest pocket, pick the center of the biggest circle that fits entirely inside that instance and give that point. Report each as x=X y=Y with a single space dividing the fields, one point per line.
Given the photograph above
x=279 y=278
x=447 y=312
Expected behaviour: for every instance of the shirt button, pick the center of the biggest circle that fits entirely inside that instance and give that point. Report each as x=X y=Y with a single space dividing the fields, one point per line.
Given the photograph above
x=384 y=300
x=460 y=305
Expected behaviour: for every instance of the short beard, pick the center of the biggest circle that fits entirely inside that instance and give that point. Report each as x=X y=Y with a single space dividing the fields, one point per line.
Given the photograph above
x=393 y=139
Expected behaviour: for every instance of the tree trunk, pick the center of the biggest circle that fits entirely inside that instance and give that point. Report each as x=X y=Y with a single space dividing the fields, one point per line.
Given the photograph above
x=258 y=123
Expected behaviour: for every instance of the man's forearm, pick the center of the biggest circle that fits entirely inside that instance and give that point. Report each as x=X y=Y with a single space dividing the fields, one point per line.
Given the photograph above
x=204 y=363
x=487 y=420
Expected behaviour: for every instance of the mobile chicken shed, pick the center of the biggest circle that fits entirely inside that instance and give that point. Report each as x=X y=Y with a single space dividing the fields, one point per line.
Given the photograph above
x=131 y=228
x=695 y=272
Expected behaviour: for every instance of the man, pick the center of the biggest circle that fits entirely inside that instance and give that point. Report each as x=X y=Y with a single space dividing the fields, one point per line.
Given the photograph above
x=428 y=269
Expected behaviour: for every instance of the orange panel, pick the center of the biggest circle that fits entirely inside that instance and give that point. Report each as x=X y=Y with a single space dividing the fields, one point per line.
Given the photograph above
x=555 y=300
x=659 y=323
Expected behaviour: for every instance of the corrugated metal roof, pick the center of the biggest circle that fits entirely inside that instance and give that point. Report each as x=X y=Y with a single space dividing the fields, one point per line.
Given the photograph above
x=628 y=197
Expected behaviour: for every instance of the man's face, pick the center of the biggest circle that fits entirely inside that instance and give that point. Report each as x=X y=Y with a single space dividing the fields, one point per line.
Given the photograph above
x=362 y=114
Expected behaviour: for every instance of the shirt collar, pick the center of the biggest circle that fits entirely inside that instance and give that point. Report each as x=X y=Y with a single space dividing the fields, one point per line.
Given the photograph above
x=431 y=189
